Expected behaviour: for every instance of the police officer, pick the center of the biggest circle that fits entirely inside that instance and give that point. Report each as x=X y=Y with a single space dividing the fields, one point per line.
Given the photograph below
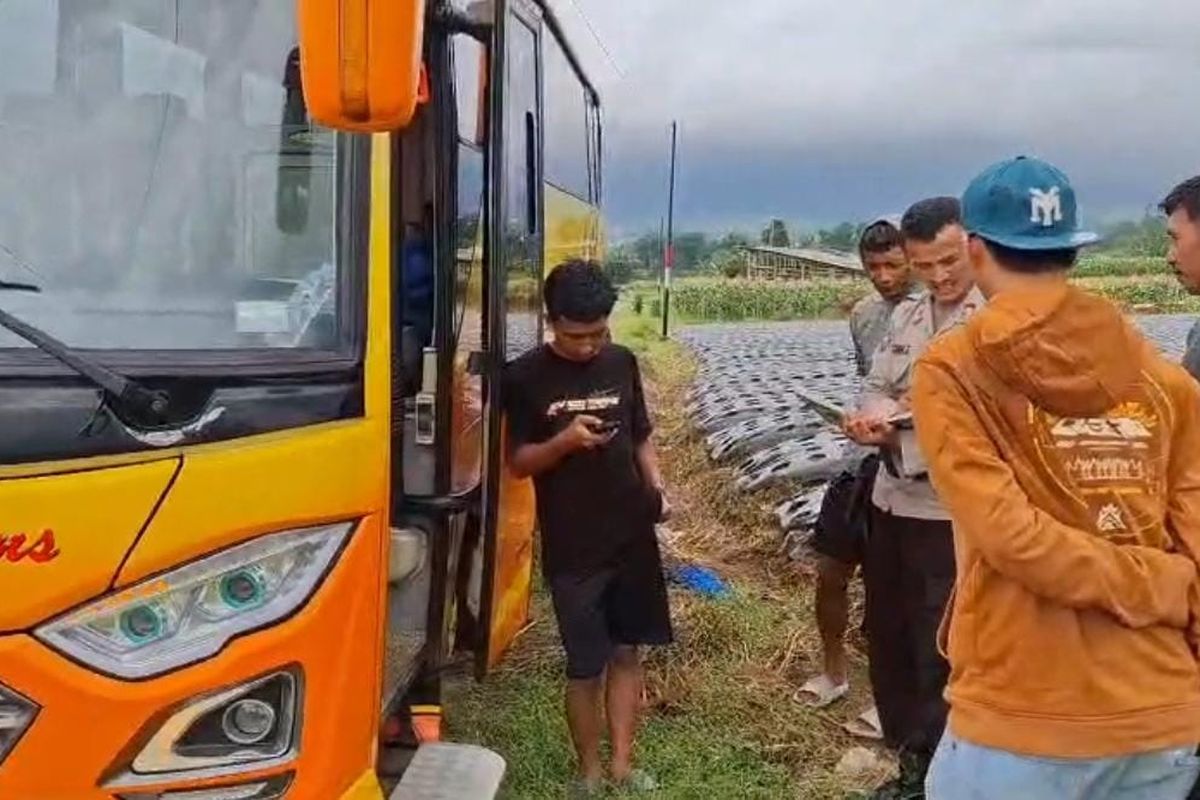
x=909 y=562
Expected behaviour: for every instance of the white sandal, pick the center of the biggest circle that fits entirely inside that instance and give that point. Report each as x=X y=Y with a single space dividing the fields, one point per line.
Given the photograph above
x=866 y=725
x=821 y=692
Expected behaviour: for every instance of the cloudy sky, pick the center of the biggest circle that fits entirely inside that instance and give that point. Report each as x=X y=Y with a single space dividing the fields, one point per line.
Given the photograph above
x=819 y=111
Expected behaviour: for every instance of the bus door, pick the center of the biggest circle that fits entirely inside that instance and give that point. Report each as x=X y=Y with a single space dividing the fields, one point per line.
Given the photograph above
x=516 y=264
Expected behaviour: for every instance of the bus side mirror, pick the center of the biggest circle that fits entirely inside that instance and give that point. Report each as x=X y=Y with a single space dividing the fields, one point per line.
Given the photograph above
x=361 y=61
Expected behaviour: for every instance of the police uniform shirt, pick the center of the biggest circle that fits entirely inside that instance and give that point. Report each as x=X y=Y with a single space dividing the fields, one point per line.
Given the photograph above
x=908 y=493
x=869 y=322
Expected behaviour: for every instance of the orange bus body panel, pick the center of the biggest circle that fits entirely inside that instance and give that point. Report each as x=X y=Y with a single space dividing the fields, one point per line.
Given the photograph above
x=62 y=537
x=87 y=720
x=513 y=585
x=231 y=492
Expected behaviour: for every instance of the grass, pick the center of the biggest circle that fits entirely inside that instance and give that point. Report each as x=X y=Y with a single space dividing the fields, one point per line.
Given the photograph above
x=1108 y=265
x=519 y=713
x=1155 y=294
x=720 y=721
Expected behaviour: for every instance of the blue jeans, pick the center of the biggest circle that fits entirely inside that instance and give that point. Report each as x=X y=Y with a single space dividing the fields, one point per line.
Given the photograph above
x=965 y=771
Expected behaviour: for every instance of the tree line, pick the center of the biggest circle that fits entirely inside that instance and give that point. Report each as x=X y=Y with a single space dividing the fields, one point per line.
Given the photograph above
x=698 y=253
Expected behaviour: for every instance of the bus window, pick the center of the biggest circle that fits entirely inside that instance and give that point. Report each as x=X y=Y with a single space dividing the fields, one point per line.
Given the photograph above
x=466 y=428
x=522 y=247
x=152 y=130
x=470 y=83
x=567 y=124
x=294 y=184
x=571 y=149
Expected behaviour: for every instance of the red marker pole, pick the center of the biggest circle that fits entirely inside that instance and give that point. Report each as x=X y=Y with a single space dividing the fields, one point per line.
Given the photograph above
x=669 y=253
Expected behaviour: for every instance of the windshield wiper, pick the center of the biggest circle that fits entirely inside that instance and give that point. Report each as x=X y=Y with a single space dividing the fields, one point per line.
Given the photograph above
x=142 y=405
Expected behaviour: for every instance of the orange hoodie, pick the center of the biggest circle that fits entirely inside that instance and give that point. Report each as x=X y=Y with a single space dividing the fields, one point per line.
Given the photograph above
x=1068 y=453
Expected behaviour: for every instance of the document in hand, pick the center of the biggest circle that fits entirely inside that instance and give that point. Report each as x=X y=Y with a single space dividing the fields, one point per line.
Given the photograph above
x=830 y=412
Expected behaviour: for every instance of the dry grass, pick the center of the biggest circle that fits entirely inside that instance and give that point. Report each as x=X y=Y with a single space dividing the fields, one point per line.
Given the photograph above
x=746 y=656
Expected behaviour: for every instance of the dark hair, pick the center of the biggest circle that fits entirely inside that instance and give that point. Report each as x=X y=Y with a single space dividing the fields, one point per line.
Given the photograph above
x=579 y=291
x=879 y=237
x=1186 y=196
x=926 y=218
x=1032 y=262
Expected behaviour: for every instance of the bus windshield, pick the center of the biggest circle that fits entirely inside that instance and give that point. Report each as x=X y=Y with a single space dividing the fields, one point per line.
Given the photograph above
x=157 y=182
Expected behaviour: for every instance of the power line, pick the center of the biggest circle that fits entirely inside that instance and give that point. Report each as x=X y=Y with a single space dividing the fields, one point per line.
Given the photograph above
x=591 y=29
x=20 y=262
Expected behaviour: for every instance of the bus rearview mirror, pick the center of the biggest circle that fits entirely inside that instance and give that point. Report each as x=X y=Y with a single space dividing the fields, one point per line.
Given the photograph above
x=361 y=61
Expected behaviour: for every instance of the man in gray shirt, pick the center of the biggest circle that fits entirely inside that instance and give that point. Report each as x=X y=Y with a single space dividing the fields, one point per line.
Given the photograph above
x=837 y=540
x=1182 y=207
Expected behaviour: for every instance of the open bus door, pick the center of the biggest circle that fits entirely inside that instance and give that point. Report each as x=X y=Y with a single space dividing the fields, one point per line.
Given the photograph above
x=515 y=255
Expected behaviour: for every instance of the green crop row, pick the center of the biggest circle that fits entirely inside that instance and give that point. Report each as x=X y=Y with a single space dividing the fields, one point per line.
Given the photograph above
x=1158 y=294
x=734 y=300
x=725 y=300
x=1107 y=265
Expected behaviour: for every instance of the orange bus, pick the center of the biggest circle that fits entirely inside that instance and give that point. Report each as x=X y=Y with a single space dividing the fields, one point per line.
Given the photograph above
x=262 y=263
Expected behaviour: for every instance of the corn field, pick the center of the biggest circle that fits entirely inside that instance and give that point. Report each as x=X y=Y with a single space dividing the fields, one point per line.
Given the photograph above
x=1111 y=265
x=735 y=300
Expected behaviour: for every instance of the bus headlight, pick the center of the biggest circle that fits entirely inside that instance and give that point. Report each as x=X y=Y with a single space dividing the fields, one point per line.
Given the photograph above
x=189 y=614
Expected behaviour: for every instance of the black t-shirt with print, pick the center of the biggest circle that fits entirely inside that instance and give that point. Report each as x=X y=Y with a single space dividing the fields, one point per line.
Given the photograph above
x=593 y=502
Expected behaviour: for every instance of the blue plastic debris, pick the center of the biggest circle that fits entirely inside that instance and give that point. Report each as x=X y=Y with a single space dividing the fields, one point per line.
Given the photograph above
x=699 y=580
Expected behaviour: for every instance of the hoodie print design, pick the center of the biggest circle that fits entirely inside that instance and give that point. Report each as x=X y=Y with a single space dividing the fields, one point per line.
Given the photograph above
x=1100 y=461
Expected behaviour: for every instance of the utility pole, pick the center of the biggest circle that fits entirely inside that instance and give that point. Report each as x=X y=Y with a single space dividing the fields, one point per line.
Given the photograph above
x=662 y=251
x=669 y=253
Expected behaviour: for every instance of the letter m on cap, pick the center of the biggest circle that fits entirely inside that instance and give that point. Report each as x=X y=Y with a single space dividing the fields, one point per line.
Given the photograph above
x=1046 y=206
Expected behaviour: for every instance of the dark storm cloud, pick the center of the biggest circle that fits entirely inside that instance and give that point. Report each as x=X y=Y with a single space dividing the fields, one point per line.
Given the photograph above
x=821 y=111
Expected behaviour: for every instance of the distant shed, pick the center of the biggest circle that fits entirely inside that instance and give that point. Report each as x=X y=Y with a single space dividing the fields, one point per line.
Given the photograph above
x=801 y=264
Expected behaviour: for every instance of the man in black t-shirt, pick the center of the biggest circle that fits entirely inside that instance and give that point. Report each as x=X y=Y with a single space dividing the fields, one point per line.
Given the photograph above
x=578 y=426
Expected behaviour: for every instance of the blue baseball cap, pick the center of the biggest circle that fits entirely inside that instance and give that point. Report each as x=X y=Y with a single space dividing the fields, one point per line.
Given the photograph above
x=1026 y=204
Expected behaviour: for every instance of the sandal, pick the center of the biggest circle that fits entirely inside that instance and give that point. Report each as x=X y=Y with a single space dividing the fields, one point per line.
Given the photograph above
x=866 y=726
x=581 y=788
x=639 y=782
x=821 y=692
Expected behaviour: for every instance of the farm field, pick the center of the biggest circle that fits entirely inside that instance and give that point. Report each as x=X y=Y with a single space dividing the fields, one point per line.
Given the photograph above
x=1138 y=284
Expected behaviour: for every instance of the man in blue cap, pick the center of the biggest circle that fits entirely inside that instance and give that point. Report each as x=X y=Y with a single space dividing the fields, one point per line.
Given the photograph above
x=1067 y=450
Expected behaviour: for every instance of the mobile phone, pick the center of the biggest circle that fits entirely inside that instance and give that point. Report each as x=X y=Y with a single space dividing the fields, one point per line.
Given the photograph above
x=608 y=426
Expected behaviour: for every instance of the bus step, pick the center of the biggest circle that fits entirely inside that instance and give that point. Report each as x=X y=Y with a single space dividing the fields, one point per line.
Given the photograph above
x=442 y=771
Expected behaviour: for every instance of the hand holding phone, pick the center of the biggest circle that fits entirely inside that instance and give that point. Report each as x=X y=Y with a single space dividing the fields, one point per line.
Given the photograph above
x=585 y=433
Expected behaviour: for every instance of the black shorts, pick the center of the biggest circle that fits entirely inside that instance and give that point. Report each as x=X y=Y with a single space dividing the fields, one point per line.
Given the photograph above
x=841 y=530
x=622 y=604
